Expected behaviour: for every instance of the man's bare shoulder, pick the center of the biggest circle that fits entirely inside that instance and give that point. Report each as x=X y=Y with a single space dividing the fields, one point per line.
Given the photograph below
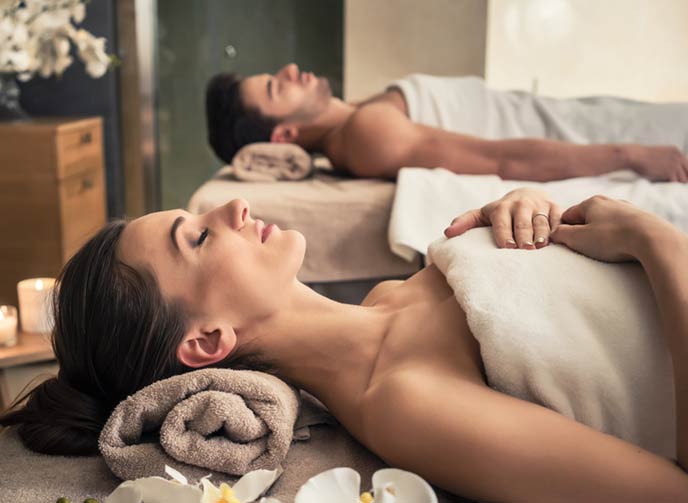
x=375 y=139
x=392 y=97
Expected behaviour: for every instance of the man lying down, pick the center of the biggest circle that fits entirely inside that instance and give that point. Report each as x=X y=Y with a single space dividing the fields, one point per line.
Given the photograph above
x=452 y=122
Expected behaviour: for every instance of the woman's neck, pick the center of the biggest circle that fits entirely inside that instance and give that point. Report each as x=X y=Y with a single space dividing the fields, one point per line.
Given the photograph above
x=324 y=347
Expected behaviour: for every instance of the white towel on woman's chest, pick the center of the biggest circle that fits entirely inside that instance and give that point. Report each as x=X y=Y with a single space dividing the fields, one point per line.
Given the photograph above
x=576 y=335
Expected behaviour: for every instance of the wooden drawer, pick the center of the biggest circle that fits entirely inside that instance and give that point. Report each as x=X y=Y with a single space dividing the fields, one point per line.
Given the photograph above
x=79 y=149
x=82 y=205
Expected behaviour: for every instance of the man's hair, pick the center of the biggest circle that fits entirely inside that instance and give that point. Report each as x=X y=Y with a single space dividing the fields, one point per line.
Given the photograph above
x=231 y=124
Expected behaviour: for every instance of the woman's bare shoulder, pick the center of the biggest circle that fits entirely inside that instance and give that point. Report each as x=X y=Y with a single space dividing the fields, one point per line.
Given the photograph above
x=380 y=290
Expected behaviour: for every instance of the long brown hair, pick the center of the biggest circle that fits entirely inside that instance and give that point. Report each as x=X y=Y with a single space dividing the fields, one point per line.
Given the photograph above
x=114 y=334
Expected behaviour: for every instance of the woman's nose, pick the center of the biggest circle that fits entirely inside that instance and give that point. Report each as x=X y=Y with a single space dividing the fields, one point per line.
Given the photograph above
x=233 y=213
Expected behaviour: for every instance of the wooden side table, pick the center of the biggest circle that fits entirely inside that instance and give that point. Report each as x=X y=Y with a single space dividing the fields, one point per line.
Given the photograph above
x=31 y=356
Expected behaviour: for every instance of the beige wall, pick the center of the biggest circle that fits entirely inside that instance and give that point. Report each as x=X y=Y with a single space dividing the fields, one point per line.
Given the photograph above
x=388 y=39
x=632 y=48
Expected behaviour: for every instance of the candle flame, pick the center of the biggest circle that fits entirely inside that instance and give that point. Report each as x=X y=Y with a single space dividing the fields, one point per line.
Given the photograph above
x=39 y=284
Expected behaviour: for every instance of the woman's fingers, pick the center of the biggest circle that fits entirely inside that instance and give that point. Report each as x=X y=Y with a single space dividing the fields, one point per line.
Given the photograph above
x=541 y=228
x=500 y=218
x=555 y=212
x=565 y=234
x=464 y=222
x=523 y=227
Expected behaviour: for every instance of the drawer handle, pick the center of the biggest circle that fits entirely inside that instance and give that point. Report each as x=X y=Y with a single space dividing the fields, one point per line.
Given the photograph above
x=86 y=138
x=87 y=183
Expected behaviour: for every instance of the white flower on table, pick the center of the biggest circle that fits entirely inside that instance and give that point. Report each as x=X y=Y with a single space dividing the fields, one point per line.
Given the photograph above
x=159 y=490
x=247 y=489
x=342 y=485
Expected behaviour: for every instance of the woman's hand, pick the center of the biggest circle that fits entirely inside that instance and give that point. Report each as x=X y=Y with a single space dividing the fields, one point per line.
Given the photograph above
x=609 y=230
x=521 y=219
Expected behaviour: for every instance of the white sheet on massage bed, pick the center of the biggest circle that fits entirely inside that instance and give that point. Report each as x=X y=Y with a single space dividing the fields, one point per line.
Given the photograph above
x=428 y=199
x=344 y=221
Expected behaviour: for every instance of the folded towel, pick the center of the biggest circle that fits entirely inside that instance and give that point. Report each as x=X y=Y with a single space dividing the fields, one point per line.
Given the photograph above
x=230 y=421
x=576 y=335
x=270 y=162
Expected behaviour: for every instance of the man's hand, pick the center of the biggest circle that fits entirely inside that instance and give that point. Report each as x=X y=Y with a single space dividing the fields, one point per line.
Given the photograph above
x=521 y=219
x=658 y=163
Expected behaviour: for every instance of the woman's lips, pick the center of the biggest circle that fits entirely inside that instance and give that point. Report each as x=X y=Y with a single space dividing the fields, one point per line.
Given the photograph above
x=267 y=230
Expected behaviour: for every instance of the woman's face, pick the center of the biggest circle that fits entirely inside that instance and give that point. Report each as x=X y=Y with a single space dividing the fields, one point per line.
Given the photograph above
x=218 y=264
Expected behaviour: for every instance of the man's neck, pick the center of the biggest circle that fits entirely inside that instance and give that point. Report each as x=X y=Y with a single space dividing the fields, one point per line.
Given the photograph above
x=315 y=136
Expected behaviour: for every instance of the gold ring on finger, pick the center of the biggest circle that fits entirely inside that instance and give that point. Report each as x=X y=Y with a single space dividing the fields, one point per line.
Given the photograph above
x=541 y=215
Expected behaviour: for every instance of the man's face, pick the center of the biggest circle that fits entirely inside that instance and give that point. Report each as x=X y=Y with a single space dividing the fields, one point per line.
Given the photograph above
x=290 y=96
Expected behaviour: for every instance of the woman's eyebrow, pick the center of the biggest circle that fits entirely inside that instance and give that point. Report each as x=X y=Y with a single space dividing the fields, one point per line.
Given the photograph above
x=173 y=231
x=269 y=88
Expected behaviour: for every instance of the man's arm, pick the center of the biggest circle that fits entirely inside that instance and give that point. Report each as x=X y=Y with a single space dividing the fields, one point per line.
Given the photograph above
x=380 y=140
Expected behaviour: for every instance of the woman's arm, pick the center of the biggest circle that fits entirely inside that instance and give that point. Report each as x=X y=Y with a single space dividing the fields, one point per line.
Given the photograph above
x=482 y=444
x=615 y=230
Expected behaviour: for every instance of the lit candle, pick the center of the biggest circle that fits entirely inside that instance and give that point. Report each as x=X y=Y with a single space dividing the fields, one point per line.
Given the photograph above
x=35 y=304
x=8 y=325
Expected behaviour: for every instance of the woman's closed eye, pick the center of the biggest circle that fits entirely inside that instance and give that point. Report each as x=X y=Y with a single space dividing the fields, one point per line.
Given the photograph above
x=204 y=234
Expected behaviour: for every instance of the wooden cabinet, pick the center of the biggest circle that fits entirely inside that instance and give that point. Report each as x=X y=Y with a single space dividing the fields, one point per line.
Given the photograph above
x=52 y=196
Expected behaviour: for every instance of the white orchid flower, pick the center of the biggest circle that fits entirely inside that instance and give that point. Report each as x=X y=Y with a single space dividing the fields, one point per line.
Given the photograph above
x=178 y=490
x=156 y=490
x=246 y=490
x=343 y=485
x=37 y=36
x=78 y=12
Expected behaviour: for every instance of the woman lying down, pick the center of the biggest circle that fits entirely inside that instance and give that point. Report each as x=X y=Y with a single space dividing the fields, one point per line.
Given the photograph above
x=552 y=382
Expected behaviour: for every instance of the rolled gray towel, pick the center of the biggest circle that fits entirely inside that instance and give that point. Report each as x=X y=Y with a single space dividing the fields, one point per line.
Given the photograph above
x=230 y=421
x=271 y=162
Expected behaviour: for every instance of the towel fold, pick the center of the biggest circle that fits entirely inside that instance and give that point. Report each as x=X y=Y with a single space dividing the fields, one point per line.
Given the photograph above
x=270 y=162
x=230 y=421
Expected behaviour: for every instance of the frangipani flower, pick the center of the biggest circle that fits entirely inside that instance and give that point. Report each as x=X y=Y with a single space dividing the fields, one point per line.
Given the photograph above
x=159 y=490
x=342 y=485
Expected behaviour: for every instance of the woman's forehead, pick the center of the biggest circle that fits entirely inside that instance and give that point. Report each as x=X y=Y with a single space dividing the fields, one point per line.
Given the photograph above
x=146 y=236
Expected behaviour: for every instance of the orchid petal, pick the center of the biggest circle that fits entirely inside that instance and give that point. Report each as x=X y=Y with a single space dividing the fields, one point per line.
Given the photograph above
x=385 y=495
x=252 y=485
x=408 y=487
x=210 y=493
x=154 y=490
x=339 y=485
x=176 y=475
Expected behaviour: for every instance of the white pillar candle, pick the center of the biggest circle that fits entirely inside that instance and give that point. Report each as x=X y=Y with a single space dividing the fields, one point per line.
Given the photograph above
x=8 y=325
x=35 y=304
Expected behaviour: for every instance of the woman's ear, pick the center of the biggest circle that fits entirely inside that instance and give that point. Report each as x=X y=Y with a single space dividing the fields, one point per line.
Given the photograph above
x=284 y=133
x=203 y=346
